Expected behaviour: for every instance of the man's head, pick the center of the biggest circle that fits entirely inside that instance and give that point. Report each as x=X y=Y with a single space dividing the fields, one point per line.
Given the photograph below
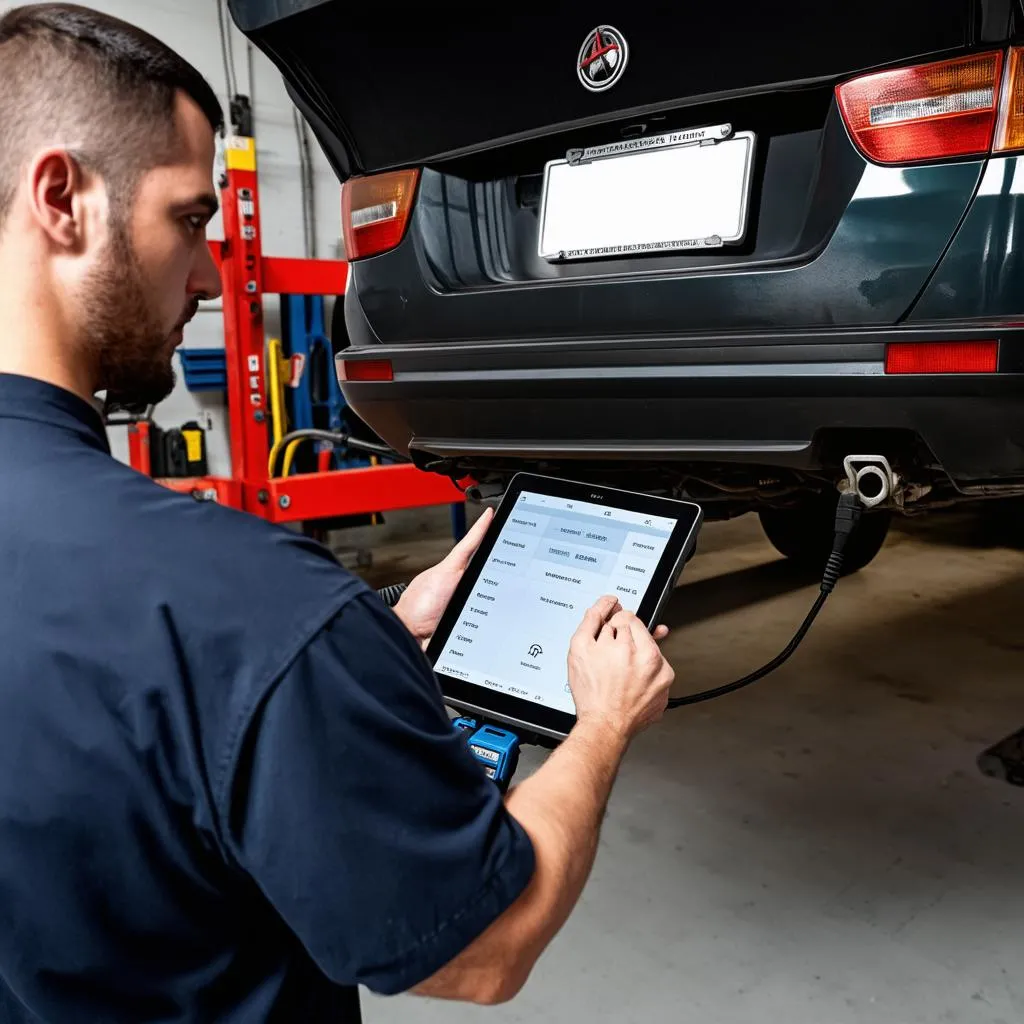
x=106 y=167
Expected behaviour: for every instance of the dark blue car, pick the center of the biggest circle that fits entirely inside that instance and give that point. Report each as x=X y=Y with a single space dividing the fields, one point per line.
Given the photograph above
x=737 y=252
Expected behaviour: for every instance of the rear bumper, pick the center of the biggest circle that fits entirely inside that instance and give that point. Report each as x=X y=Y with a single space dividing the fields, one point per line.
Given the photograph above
x=771 y=400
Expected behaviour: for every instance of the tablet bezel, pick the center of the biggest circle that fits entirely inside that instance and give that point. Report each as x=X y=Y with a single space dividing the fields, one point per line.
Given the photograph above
x=463 y=695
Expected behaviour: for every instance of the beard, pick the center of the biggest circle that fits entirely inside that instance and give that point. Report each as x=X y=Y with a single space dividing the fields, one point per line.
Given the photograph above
x=130 y=348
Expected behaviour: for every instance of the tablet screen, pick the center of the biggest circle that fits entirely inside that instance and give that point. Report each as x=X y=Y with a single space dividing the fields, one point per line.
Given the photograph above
x=553 y=558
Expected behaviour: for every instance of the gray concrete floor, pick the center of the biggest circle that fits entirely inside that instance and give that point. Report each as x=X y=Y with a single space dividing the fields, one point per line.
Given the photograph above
x=819 y=849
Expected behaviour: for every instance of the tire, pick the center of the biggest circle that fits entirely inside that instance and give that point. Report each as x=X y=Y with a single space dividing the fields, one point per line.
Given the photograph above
x=804 y=534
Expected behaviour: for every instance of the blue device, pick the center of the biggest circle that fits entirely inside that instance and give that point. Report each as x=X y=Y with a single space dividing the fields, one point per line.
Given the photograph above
x=497 y=750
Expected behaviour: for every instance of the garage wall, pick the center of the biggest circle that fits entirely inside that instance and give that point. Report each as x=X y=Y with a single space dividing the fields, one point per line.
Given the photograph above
x=191 y=28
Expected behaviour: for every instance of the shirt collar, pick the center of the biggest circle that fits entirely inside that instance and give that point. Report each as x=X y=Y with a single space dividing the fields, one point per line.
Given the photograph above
x=26 y=398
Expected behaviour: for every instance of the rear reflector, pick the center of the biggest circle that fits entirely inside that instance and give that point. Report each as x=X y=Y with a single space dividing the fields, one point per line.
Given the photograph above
x=365 y=369
x=942 y=357
x=927 y=112
x=375 y=211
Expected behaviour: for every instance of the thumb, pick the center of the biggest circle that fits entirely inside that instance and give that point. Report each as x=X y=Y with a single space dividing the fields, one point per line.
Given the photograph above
x=459 y=556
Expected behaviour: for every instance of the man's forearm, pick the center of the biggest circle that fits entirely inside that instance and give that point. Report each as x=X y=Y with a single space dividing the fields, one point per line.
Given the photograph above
x=560 y=807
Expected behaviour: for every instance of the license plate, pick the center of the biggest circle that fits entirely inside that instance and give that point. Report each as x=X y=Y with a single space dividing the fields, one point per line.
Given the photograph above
x=680 y=190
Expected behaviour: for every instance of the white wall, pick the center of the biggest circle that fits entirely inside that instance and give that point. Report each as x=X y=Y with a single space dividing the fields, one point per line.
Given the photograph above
x=190 y=27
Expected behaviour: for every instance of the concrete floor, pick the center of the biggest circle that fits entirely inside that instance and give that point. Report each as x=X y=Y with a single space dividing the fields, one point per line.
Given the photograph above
x=819 y=849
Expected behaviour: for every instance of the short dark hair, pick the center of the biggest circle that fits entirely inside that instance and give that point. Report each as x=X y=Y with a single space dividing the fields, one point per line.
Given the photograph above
x=106 y=89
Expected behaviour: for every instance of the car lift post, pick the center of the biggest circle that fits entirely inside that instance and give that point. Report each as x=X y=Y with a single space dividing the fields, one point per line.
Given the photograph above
x=247 y=275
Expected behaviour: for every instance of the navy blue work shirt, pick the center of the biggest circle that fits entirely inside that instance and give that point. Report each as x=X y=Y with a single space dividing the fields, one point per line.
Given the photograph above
x=229 y=790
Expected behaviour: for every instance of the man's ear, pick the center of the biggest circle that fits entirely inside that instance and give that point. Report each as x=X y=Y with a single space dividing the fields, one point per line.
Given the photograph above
x=55 y=181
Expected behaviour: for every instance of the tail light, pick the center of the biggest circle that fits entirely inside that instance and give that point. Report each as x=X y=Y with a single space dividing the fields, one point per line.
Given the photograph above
x=927 y=112
x=1010 y=128
x=375 y=211
x=942 y=357
x=365 y=370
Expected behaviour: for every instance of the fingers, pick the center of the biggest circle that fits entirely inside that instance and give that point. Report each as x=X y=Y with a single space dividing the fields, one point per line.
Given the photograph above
x=641 y=638
x=624 y=621
x=621 y=626
x=460 y=555
x=596 y=617
x=667 y=676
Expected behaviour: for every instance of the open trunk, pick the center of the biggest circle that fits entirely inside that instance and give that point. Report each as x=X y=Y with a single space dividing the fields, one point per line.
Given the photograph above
x=387 y=88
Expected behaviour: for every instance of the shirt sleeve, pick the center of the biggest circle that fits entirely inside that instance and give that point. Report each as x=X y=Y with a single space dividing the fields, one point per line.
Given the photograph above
x=361 y=815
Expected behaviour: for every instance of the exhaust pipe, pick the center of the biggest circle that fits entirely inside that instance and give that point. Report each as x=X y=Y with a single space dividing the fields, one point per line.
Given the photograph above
x=871 y=478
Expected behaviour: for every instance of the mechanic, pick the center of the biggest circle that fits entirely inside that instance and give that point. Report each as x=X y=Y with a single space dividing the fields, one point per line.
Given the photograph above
x=229 y=790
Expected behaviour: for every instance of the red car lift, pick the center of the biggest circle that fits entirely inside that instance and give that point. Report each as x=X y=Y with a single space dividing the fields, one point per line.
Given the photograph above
x=247 y=275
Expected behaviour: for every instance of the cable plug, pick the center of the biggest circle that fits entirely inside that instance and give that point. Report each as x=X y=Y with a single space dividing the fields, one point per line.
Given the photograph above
x=390 y=595
x=847 y=516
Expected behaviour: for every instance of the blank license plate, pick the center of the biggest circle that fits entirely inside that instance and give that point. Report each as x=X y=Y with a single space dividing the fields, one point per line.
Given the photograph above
x=673 y=194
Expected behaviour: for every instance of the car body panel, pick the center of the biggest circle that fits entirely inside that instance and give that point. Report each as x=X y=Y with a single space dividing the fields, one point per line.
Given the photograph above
x=894 y=229
x=982 y=274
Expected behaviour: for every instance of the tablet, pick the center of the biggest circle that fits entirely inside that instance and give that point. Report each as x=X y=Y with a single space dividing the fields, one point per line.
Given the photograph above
x=553 y=549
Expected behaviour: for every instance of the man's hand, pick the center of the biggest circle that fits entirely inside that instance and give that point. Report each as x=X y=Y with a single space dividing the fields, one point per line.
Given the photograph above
x=618 y=676
x=421 y=606
x=620 y=682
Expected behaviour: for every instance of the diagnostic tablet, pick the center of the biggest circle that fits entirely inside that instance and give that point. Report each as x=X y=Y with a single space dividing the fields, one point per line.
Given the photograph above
x=553 y=549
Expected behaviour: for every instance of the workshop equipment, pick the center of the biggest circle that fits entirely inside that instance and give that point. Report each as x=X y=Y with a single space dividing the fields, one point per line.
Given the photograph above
x=495 y=748
x=247 y=275
x=204 y=369
x=178 y=453
x=313 y=398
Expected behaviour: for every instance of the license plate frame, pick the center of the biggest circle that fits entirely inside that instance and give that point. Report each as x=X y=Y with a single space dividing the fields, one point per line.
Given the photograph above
x=582 y=179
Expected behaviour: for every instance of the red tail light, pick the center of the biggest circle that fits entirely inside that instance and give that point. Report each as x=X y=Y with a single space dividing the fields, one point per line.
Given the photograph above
x=365 y=369
x=1010 y=129
x=375 y=211
x=942 y=357
x=927 y=112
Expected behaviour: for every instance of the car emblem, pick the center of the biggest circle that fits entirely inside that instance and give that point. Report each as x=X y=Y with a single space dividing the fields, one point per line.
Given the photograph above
x=602 y=58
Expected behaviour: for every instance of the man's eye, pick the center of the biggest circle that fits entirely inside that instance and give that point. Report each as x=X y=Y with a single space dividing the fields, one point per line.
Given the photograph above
x=196 y=221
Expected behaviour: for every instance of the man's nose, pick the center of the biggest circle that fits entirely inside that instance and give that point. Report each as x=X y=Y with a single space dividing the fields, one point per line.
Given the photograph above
x=205 y=277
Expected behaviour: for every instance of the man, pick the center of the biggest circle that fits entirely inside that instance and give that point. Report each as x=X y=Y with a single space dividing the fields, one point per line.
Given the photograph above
x=228 y=787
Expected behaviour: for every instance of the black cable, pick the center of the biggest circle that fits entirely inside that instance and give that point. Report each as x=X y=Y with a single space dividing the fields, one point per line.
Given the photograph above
x=307 y=246
x=228 y=79
x=249 y=73
x=847 y=516
x=721 y=691
x=231 y=45
x=342 y=440
x=310 y=189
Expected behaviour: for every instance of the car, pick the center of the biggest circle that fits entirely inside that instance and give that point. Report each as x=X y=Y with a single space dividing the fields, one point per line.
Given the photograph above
x=741 y=255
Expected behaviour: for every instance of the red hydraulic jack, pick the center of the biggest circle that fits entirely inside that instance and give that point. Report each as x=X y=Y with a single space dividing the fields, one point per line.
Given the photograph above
x=247 y=275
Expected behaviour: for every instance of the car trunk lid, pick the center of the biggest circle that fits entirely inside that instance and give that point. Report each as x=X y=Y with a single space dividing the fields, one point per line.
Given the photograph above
x=387 y=89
